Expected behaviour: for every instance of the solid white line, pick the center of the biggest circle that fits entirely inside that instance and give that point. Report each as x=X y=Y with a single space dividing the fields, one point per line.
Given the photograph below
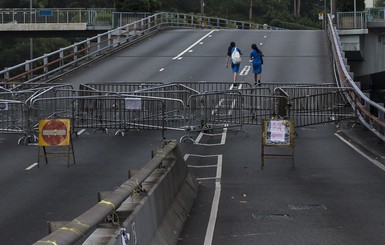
x=214 y=208
x=207 y=178
x=31 y=167
x=205 y=166
x=224 y=135
x=187 y=49
x=200 y=135
x=375 y=162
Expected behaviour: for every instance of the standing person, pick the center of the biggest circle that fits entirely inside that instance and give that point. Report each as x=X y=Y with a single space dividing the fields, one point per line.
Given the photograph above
x=256 y=58
x=234 y=64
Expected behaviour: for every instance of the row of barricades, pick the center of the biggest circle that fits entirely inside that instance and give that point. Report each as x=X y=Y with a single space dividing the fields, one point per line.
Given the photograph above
x=186 y=106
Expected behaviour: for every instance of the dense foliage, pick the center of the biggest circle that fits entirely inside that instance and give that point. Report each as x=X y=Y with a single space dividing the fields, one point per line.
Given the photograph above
x=291 y=14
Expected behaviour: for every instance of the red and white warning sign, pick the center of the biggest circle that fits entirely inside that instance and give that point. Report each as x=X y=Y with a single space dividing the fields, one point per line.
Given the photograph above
x=54 y=132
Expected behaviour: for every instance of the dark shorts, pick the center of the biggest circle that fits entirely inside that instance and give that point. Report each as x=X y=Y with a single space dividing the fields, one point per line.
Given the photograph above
x=257 y=68
x=235 y=68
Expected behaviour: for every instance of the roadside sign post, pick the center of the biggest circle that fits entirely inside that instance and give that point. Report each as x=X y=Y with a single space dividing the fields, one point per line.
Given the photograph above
x=277 y=133
x=55 y=132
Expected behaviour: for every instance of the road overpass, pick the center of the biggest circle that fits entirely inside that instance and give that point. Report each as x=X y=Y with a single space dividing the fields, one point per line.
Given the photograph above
x=332 y=195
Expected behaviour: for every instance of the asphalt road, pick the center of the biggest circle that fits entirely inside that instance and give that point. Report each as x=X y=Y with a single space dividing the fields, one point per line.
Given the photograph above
x=334 y=195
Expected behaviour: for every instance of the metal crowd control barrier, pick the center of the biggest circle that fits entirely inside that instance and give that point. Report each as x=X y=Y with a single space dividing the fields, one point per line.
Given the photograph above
x=175 y=106
x=16 y=113
x=13 y=116
x=137 y=87
x=105 y=112
x=316 y=105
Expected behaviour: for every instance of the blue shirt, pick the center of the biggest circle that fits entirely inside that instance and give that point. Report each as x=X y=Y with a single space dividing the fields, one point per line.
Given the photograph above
x=256 y=57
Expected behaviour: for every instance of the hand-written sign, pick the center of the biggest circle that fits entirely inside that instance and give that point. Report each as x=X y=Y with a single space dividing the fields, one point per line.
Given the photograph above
x=278 y=132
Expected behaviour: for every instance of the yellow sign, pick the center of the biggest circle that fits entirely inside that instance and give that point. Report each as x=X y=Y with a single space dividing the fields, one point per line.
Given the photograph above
x=320 y=16
x=54 y=132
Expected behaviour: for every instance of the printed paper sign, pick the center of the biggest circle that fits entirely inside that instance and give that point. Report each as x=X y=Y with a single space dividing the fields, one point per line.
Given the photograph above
x=277 y=130
x=133 y=103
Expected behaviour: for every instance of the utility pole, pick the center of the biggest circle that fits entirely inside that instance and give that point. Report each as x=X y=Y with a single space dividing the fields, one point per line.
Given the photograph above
x=251 y=11
x=202 y=7
x=30 y=39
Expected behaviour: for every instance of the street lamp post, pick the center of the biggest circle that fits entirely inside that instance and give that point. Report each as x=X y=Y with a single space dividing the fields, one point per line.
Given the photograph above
x=30 y=39
x=355 y=17
x=202 y=7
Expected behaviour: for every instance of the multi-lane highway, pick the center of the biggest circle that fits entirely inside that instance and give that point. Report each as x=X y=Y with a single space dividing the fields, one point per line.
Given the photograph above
x=333 y=196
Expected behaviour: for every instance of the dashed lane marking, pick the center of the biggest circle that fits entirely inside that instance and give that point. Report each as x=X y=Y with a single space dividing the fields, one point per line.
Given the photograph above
x=245 y=71
x=81 y=131
x=31 y=167
x=187 y=49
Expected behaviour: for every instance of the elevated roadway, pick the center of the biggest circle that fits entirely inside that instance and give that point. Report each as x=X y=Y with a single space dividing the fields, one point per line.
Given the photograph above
x=332 y=196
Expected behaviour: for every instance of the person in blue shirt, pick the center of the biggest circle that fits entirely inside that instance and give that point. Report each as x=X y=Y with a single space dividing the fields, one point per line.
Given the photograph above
x=234 y=67
x=256 y=58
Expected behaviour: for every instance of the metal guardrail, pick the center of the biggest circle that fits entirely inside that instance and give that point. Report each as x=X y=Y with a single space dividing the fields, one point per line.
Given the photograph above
x=360 y=19
x=60 y=16
x=369 y=113
x=376 y=14
x=352 y=20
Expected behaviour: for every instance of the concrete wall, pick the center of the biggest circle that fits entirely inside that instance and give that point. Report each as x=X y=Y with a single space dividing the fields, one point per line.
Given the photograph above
x=373 y=51
x=157 y=215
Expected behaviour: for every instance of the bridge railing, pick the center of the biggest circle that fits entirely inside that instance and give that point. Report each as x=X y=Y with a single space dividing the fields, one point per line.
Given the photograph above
x=36 y=15
x=370 y=113
x=376 y=14
x=351 y=20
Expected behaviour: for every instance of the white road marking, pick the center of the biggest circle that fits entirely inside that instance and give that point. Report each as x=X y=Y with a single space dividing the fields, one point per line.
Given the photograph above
x=205 y=166
x=201 y=134
x=245 y=71
x=161 y=69
x=190 y=51
x=207 y=178
x=196 y=155
x=375 y=162
x=81 y=131
x=214 y=208
x=187 y=49
x=31 y=167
